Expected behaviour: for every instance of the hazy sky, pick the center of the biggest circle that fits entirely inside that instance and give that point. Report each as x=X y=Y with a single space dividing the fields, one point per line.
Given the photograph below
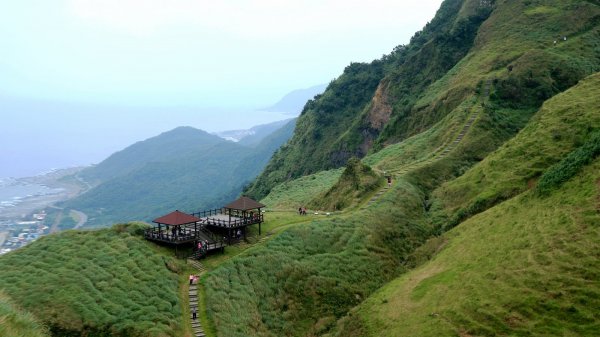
x=80 y=79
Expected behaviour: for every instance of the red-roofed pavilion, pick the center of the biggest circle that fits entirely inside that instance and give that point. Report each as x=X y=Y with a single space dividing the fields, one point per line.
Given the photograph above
x=181 y=228
x=208 y=230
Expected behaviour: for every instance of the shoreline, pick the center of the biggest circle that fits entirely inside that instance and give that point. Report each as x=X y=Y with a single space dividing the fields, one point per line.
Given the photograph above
x=64 y=183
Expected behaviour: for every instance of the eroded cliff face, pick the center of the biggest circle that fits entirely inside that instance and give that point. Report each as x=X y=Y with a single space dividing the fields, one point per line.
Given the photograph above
x=378 y=115
x=380 y=110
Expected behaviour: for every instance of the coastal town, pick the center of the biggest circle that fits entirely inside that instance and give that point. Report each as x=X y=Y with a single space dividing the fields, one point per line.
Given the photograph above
x=14 y=235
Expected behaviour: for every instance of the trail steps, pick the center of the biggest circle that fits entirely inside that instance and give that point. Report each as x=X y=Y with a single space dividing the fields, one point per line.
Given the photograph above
x=193 y=299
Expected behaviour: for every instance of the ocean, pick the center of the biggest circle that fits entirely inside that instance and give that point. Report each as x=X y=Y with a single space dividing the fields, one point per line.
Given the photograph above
x=15 y=191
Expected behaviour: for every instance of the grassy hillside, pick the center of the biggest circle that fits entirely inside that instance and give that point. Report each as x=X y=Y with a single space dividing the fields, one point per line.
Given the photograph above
x=357 y=182
x=303 y=280
x=527 y=267
x=96 y=283
x=444 y=68
x=300 y=192
x=348 y=118
x=561 y=125
x=18 y=323
x=311 y=275
x=523 y=267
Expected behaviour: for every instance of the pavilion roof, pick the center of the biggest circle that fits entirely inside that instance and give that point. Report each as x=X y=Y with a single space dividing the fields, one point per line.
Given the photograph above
x=177 y=218
x=244 y=204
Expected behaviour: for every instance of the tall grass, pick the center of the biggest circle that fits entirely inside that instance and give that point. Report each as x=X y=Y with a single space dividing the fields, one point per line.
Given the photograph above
x=18 y=323
x=526 y=267
x=96 y=283
x=307 y=277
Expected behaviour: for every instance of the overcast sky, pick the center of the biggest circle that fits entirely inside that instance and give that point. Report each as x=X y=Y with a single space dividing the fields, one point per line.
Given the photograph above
x=80 y=79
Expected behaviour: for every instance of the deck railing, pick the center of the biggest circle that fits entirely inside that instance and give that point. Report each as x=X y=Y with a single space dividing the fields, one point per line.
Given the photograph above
x=210 y=212
x=235 y=222
x=181 y=235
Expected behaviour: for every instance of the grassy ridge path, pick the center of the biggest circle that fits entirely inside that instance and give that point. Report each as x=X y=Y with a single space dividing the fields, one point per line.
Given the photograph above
x=443 y=150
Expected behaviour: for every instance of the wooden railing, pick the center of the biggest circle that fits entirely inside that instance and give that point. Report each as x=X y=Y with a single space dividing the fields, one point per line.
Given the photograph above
x=181 y=235
x=210 y=212
x=235 y=222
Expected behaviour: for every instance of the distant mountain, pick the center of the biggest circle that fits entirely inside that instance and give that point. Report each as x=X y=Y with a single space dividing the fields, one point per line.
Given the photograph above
x=164 y=147
x=185 y=168
x=254 y=135
x=294 y=101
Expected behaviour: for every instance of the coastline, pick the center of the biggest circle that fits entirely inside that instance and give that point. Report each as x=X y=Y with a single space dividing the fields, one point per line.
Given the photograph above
x=58 y=185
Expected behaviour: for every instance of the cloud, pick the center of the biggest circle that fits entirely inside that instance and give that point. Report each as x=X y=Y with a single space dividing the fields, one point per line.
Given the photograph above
x=250 y=18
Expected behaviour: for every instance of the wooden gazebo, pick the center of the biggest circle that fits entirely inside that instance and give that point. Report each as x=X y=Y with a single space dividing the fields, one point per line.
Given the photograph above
x=176 y=227
x=179 y=228
x=234 y=217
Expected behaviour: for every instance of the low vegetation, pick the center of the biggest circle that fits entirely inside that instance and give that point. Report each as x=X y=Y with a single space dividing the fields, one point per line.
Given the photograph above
x=527 y=267
x=357 y=182
x=15 y=322
x=307 y=277
x=563 y=124
x=97 y=283
x=299 y=192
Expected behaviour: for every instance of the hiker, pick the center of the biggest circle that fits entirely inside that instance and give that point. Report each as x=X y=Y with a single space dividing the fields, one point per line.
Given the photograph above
x=191 y=279
x=194 y=313
x=389 y=178
x=300 y=210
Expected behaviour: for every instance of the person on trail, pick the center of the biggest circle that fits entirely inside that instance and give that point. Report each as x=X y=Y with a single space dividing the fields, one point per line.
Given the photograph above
x=389 y=179
x=191 y=279
x=300 y=210
x=303 y=210
x=194 y=313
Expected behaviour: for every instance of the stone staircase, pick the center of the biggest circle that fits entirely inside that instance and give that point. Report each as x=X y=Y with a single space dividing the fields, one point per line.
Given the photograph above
x=443 y=150
x=193 y=299
x=376 y=196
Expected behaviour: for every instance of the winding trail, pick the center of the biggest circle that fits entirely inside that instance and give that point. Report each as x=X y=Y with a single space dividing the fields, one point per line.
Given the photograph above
x=442 y=151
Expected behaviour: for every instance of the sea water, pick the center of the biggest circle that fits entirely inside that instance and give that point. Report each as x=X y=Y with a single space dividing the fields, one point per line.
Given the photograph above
x=14 y=191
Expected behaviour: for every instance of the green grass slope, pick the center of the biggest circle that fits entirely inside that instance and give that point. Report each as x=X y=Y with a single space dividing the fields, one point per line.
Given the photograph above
x=527 y=267
x=96 y=283
x=523 y=267
x=347 y=119
x=442 y=70
x=18 y=323
x=299 y=192
x=307 y=277
x=563 y=123
x=357 y=182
